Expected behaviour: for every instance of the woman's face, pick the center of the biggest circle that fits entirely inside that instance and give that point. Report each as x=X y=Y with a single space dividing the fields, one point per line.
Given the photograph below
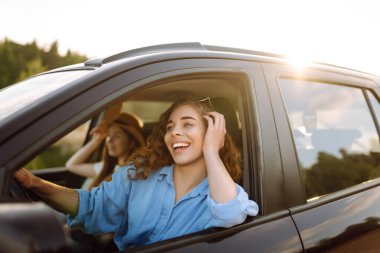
x=117 y=142
x=184 y=135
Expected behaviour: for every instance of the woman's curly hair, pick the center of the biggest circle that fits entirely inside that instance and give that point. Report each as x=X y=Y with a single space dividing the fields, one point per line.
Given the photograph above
x=155 y=154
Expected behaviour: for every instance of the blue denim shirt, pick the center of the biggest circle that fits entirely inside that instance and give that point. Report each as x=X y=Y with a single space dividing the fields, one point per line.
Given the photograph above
x=144 y=211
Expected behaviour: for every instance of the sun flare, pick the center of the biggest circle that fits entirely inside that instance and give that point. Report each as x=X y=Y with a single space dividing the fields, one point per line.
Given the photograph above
x=299 y=61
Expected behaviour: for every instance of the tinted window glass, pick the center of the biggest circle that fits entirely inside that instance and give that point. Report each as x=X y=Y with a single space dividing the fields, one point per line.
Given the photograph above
x=334 y=134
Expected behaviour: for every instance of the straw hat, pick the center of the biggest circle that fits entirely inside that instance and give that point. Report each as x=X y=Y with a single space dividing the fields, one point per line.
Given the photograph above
x=133 y=125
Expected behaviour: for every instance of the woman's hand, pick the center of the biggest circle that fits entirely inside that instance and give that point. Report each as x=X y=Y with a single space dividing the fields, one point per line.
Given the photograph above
x=63 y=199
x=25 y=178
x=100 y=132
x=215 y=133
x=222 y=187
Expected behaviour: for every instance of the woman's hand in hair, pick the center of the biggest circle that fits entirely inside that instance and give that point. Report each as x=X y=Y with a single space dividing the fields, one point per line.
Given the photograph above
x=222 y=187
x=215 y=132
x=100 y=132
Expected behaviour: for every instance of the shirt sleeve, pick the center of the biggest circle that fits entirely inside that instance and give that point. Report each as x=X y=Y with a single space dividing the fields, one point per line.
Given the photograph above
x=103 y=209
x=233 y=212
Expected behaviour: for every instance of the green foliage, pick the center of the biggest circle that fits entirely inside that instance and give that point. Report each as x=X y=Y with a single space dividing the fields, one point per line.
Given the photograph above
x=18 y=62
x=332 y=173
x=50 y=158
x=33 y=67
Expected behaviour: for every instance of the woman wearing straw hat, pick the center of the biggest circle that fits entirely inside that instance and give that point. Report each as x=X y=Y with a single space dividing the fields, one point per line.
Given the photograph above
x=123 y=136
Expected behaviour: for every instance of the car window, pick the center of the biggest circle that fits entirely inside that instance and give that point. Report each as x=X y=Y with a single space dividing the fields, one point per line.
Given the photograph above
x=334 y=134
x=148 y=104
x=58 y=153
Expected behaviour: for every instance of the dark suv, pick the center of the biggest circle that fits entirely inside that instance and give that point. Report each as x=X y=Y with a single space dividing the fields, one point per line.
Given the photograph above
x=309 y=140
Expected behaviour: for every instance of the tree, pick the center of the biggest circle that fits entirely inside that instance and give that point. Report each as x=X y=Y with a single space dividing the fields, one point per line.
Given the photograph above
x=33 y=67
x=18 y=62
x=51 y=58
x=332 y=173
x=8 y=64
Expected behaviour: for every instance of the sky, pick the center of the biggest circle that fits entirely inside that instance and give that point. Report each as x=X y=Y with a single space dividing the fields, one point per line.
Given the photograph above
x=339 y=32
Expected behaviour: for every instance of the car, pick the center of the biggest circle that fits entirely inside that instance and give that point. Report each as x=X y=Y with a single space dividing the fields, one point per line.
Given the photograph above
x=309 y=139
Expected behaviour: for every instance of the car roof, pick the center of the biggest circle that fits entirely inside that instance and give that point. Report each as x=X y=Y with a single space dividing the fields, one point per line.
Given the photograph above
x=112 y=65
x=174 y=47
x=196 y=49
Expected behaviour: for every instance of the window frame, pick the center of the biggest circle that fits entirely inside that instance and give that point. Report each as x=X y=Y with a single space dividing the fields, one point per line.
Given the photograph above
x=367 y=107
x=367 y=94
x=274 y=72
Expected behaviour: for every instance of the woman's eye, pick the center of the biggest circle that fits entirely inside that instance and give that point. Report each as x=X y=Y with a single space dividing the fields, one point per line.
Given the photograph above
x=114 y=136
x=169 y=128
x=188 y=125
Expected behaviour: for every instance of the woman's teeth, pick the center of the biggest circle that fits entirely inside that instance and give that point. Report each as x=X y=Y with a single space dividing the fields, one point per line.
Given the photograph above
x=180 y=145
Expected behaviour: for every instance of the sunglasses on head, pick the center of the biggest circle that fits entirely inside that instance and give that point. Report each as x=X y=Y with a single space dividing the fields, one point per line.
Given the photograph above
x=206 y=101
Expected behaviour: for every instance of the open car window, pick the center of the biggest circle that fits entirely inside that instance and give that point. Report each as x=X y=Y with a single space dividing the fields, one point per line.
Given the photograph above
x=148 y=104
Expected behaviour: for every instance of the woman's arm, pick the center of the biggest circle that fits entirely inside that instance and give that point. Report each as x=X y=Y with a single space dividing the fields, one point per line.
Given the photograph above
x=76 y=163
x=222 y=186
x=63 y=199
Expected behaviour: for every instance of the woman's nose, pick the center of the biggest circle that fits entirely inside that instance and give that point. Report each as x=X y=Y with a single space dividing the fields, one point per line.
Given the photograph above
x=177 y=131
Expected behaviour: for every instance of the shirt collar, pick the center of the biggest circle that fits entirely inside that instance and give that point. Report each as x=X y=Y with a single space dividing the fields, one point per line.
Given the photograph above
x=167 y=171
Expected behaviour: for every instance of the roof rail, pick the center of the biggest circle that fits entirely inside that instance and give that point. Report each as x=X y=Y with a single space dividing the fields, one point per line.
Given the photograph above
x=242 y=51
x=97 y=62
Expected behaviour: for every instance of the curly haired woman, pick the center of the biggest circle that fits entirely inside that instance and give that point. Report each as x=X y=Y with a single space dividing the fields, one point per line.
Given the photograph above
x=181 y=182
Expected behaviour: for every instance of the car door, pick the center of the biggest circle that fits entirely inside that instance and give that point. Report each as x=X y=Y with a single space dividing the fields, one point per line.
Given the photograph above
x=331 y=125
x=273 y=230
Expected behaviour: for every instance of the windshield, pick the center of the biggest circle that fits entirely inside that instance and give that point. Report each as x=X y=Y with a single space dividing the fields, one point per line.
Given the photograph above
x=21 y=95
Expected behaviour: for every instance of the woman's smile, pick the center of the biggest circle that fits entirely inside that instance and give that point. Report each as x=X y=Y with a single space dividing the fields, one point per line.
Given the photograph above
x=180 y=146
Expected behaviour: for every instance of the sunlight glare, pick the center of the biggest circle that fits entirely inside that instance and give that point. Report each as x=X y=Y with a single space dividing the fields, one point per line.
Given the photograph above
x=299 y=61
